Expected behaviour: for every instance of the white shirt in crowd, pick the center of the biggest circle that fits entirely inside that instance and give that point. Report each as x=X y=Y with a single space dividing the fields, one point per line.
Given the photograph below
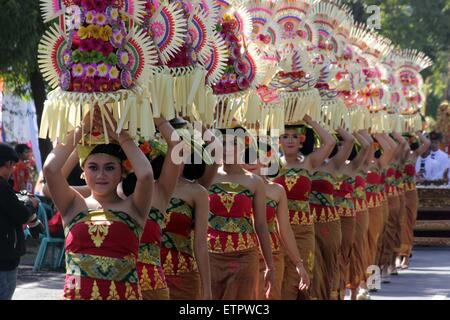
x=443 y=163
x=449 y=170
x=427 y=168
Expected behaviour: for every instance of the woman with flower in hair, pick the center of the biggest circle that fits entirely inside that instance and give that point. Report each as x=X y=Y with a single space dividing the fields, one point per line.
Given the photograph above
x=184 y=252
x=417 y=146
x=379 y=158
x=345 y=206
x=295 y=179
x=281 y=234
x=237 y=224
x=102 y=230
x=327 y=223
x=358 y=263
x=166 y=171
x=390 y=239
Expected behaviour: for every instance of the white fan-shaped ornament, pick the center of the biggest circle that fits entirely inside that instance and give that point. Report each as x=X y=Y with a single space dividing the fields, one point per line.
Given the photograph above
x=168 y=27
x=201 y=29
x=51 y=9
x=51 y=43
x=217 y=59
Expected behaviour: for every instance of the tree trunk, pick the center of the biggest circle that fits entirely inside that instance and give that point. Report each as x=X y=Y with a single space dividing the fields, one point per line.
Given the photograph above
x=39 y=95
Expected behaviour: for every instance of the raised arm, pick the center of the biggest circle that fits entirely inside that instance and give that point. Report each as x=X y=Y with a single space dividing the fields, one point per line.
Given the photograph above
x=200 y=242
x=361 y=157
x=262 y=231
x=288 y=239
x=143 y=192
x=70 y=164
x=62 y=194
x=344 y=151
x=327 y=144
x=170 y=170
x=388 y=151
x=424 y=146
x=402 y=143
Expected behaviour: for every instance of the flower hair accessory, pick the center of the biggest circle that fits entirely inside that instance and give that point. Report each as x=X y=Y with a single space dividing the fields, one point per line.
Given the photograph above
x=151 y=149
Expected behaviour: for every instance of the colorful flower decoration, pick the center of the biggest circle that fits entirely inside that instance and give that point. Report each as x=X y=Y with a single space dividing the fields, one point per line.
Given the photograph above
x=89 y=51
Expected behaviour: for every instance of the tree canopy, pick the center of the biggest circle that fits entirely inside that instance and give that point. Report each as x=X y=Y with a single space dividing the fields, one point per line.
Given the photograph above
x=21 y=28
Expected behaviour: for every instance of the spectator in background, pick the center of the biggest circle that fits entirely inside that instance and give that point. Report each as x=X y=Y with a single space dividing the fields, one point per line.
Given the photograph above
x=440 y=156
x=426 y=167
x=13 y=214
x=22 y=175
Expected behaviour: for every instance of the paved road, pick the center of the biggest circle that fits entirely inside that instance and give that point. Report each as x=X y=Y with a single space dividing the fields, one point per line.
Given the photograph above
x=428 y=278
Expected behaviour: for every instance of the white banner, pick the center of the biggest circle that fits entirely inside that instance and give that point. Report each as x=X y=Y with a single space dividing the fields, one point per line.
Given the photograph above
x=20 y=124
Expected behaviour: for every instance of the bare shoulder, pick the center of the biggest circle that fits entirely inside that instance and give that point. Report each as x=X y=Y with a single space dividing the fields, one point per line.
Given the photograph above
x=254 y=179
x=197 y=190
x=276 y=189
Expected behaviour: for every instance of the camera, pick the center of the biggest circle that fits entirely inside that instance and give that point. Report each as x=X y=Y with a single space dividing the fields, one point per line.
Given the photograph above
x=34 y=225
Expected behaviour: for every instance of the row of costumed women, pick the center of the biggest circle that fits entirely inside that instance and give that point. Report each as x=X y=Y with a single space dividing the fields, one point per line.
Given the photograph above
x=315 y=116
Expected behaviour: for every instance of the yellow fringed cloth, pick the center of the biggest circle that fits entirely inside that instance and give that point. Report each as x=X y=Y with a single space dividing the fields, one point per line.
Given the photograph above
x=334 y=113
x=63 y=111
x=179 y=92
x=227 y=108
x=265 y=114
x=299 y=103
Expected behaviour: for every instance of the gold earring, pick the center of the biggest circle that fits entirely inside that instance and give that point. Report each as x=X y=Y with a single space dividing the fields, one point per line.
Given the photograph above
x=83 y=176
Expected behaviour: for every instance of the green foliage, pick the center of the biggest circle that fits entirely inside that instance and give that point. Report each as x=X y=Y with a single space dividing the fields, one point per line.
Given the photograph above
x=21 y=28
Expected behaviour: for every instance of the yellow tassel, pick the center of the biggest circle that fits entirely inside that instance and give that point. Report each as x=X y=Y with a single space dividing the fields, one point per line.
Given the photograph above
x=229 y=246
x=168 y=264
x=95 y=295
x=129 y=292
x=182 y=265
x=113 y=295
x=241 y=243
x=159 y=283
x=218 y=245
x=144 y=280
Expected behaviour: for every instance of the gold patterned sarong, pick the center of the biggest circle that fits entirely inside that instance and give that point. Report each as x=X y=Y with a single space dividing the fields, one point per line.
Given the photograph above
x=184 y=286
x=348 y=229
x=326 y=260
x=390 y=236
x=411 y=205
x=234 y=275
x=305 y=239
x=275 y=294
x=358 y=258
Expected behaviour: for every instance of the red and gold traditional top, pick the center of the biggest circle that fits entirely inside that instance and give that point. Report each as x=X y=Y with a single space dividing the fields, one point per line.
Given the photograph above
x=382 y=186
x=399 y=182
x=101 y=255
x=177 y=254
x=359 y=195
x=321 y=199
x=297 y=183
x=373 y=195
x=391 y=183
x=151 y=275
x=409 y=173
x=271 y=212
x=343 y=196
x=231 y=218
